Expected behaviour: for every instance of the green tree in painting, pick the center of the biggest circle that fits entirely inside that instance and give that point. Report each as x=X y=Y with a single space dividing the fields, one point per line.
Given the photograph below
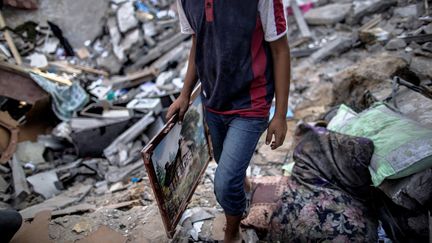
x=160 y=173
x=189 y=126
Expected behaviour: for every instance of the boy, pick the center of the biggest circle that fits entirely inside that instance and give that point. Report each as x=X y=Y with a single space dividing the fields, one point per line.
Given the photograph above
x=241 y=56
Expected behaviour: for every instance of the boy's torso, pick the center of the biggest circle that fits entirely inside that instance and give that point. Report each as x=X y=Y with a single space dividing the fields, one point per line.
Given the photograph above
x=233 y=61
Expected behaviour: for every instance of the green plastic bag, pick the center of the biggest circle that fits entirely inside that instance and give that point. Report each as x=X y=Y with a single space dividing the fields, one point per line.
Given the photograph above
x=402 y=146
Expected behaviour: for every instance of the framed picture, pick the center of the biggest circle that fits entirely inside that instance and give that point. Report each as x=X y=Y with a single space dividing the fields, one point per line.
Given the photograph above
x=176 y=159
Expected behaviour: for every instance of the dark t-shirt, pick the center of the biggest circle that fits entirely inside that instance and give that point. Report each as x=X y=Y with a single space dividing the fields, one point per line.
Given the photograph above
x=233 y=56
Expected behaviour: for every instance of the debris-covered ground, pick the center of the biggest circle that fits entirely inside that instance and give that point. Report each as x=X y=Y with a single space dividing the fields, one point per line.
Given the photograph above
x=85 y=85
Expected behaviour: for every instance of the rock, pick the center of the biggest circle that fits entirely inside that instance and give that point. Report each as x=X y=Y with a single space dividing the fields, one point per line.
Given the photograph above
x=77 y=25
x=427 y=47
x=364 y=8
x=329 y=14
x=406 y=12
x=422 y=66
x=395 y=44
x=81 y=227
x=333 y=48
x=109 y=62
x=374 y=74
x=126 y=17
x=428 y=29
x=130 y=40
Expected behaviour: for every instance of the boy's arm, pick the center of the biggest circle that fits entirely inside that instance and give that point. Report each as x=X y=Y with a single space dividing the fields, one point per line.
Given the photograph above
x=181 y=104
x=282 y=71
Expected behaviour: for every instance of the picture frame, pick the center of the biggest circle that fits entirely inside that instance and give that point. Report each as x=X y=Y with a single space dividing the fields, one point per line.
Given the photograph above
x=176 y=159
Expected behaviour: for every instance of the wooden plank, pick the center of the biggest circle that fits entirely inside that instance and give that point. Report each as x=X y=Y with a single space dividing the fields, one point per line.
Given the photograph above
x=25 y=71
x=304 y=28
x=9 y=41
x=52 y=77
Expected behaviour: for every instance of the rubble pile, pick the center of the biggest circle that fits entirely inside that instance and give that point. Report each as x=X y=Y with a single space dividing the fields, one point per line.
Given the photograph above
x=74 y=118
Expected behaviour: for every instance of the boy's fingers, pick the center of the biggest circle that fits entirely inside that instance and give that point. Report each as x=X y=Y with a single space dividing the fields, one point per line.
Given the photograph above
x=279 y=139
x=181 y=114
x=269 y=136
x=170 y=113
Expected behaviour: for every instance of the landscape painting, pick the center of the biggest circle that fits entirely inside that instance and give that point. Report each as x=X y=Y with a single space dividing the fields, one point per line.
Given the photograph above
x=176 y=160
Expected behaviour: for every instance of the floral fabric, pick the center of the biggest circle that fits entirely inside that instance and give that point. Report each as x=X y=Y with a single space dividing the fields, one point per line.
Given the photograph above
x=325 y=198
x=308 y=213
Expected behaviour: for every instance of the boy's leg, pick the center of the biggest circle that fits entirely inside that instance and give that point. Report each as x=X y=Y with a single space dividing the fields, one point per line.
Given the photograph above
x=238 y=147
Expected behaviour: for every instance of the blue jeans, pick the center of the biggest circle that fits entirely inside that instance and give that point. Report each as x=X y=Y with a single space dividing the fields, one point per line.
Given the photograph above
x=234 y=141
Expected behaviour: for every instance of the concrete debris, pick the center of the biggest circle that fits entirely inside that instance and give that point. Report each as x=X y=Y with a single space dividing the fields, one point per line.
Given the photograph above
x=422 y=66
x=45 y=183
x=396 y=44
x=61 y=201
x=129 y=60
x=364 y=8
x=21 y=187
x=333 y=48
x=126 y=19
x=113 y=151
x=406 y=12
x=328 y=14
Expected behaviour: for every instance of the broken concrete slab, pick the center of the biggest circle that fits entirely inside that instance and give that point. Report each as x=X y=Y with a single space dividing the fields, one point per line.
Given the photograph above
x=109 y=62
x=368 y=7
x=61 y=201
x=77 y=209
x=112 y=151
x=333 y=48
x=45 y=183
x=395 y=44
x=87 y=23
x=328 y=14
x=19 y=179
x=407 y=11
x=422 y=66
x=126 y=18
x=114 y=176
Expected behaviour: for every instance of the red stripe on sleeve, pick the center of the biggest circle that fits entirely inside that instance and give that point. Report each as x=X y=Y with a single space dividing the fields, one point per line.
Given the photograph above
x=279 y=15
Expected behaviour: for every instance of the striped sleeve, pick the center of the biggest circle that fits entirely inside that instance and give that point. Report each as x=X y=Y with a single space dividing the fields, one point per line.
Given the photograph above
x=185 y=27
x=272 y=14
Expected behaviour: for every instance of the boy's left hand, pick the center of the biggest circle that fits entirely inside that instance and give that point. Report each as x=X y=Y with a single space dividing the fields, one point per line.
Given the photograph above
x=277 y=130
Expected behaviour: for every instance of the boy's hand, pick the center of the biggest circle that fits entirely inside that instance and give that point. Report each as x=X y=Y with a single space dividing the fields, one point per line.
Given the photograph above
x=278 y=130
x=180 y=106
